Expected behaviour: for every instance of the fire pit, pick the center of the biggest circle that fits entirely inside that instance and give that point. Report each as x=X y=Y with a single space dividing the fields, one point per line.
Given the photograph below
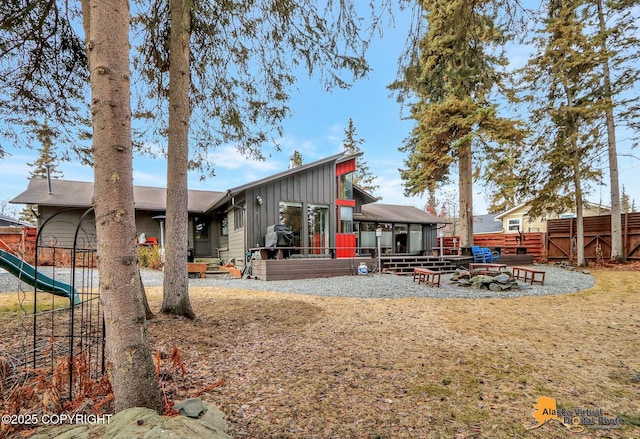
x=485 y=279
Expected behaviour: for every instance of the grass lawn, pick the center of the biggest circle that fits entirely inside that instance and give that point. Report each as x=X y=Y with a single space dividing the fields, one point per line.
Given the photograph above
x=316 y=367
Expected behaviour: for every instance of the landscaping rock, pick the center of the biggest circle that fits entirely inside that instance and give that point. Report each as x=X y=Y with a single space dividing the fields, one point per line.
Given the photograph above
x=146 y=423
x=498 y=283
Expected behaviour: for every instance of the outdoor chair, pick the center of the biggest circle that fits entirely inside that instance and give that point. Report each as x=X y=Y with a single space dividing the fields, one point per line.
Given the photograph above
x=486 y=254
x=478 y=256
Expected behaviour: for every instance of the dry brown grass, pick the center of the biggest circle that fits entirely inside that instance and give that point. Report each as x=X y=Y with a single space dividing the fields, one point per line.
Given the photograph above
x=317 y=367
x=304 y=366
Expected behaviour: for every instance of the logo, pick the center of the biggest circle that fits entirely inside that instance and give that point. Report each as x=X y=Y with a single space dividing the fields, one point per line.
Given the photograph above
x=576 y=420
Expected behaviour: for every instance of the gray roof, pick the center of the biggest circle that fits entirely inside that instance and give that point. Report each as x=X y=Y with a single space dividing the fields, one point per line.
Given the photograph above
x=65 y=193
x=395 y=214
x=10 y=221
x=487 y=223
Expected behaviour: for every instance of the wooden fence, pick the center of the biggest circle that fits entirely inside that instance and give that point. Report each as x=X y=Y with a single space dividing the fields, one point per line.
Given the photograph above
x=20 y=240
x=597 y=237
x=507 y=243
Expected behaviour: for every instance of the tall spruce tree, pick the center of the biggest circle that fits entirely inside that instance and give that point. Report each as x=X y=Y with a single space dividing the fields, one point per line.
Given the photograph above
x=43 y=74
x=563 y=82
x=362 y=177
x=295 y=159
x=452 y=77
x=625 y=201
x=46 y=165
x=47 y=161
x=129 y=364
x=617 y=40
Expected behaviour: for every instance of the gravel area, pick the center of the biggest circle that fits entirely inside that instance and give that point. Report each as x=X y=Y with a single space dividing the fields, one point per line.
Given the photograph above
x=558 y=281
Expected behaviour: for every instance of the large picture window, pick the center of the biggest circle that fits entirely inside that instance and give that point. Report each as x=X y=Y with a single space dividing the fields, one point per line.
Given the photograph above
x=386 y=239
x=368 y=235
x=415 y=238
x=290 y=215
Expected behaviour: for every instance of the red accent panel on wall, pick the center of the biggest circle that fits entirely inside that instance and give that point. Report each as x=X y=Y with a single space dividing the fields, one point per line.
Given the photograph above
x=346 y=166
x=345 y=245
x=351 y=203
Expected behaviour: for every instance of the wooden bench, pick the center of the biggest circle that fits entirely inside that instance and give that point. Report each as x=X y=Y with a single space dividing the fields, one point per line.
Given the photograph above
x=197 y=267
x=483 y=266
x=427 y=276
x=529 y=274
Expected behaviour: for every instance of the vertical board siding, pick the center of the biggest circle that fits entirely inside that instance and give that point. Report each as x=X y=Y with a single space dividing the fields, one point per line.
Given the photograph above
x=597 y=236
x=311 y=186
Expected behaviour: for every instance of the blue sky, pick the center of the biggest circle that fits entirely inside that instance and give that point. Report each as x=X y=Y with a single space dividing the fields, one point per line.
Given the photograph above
x=316 y=129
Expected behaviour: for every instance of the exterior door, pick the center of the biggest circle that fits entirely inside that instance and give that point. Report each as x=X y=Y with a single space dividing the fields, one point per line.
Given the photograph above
x=201 y=238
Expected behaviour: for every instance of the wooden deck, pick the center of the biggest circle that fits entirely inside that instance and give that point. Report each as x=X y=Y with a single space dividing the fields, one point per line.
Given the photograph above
x=305 y=268
x=301 y=267
x=404 y=264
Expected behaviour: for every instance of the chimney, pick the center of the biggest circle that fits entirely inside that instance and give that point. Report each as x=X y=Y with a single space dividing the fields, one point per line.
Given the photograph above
x=49 y=179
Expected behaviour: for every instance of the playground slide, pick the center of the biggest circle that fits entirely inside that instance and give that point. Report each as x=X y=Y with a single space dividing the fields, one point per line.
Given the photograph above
x=27 y=273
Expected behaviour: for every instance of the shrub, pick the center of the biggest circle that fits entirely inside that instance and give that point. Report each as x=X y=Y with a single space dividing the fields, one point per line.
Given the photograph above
x=149 y=257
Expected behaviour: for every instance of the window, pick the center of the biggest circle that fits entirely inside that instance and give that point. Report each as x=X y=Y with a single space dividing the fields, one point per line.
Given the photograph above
x=318 y=220
x=238 y=219
x=290 y=215
x=225 y=226
x=386 y=239
x=346 y=186
x=202 y=228
x=415 y=238
x=368 y=235
x=513 y=225
x=346 y=219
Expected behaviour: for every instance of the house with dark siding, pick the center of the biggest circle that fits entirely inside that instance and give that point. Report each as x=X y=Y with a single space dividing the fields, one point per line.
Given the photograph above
x=329 y=217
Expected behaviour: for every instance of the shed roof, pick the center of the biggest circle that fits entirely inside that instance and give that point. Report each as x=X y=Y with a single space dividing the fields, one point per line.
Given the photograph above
x=394 y=213
x=65 y=193
x=487 y=223
x=234 y=191
x=10 y=221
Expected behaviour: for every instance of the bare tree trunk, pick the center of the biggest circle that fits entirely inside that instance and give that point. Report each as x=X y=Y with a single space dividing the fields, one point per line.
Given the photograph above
x=465 y=184
x=129 y=364
x=617 y=247
x=176 y=278
x=581 y=261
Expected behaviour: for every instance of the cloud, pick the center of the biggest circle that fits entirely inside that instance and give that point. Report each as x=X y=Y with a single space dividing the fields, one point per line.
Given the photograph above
x=229 y=158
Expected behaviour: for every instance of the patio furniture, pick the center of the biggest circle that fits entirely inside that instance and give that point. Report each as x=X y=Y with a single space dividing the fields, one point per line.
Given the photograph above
x=478 y=255
x=427 y=276
x=529 y=274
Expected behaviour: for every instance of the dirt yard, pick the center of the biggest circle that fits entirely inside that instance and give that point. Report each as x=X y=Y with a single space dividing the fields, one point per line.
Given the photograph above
x=312 y=367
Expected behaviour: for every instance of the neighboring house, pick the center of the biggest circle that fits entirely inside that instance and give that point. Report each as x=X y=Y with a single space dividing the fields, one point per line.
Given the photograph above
x=517 y=219
x=481 y=224
x=318 y=201
x=6 y=221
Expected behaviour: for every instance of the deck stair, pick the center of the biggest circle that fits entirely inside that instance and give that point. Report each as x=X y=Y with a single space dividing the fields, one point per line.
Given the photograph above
x=213 y=264
x=404 y=264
